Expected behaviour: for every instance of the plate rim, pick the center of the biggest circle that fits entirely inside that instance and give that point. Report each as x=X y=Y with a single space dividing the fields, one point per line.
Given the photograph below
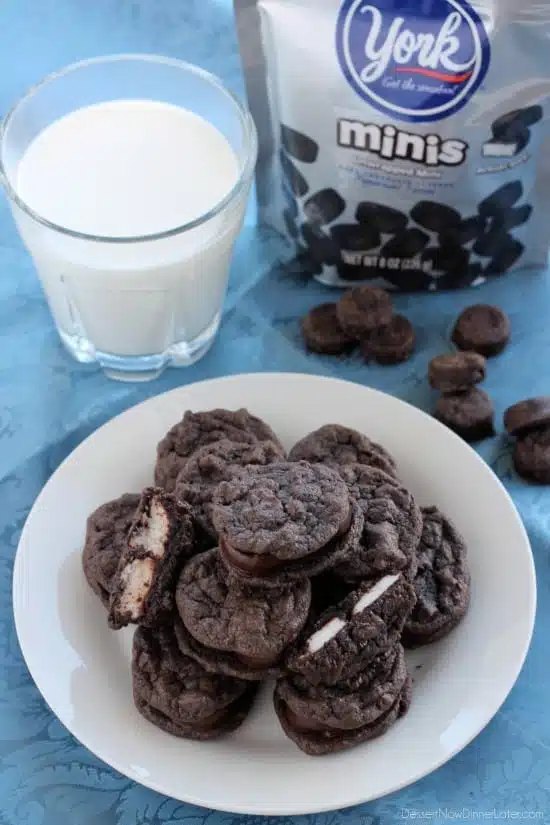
x=293 y=809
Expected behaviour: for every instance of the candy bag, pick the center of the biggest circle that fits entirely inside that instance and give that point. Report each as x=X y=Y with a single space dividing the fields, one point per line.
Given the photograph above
x=402 y=142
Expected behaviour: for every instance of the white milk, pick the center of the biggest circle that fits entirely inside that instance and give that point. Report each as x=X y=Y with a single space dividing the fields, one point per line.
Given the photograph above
x=130 y=168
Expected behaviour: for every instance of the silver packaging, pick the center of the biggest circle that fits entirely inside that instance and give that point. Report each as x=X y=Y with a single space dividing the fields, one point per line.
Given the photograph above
x=402 y=142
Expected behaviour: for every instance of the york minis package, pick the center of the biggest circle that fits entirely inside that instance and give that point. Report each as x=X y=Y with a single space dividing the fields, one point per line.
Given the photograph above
x=402 y=142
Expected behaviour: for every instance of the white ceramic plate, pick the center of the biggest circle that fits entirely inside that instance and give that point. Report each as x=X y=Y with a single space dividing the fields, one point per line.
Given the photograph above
x=82 y=668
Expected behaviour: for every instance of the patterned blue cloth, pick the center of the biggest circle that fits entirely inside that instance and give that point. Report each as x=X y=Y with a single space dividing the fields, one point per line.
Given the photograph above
x=48 y=404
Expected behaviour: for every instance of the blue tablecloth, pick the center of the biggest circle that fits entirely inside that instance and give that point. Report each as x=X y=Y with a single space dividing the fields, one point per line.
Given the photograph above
x=48 y=404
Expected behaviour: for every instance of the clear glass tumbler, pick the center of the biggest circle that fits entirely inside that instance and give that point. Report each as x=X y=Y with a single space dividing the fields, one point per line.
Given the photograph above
x=133 y=304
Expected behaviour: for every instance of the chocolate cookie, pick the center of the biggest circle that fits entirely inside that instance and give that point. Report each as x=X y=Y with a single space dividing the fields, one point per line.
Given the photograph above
x=106 y=537
x=322 y=331
x=364 y=309
x=482 y=328
x=197 y=429
x=457 y=371
x=531 y=414
x=159 y=542
x=469 y=414
x=532 y=456
x=285 y=522
x=442 y=583
x=325 y=719
x=392 y=524
x=336 y=446
x=232 y=628
x=214 y=463
x=391 y=344
x=319 y=742
x=177 y=695
x=344 y=639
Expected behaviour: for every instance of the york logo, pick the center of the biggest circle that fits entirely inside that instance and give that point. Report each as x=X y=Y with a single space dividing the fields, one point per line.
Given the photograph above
x=418 y=61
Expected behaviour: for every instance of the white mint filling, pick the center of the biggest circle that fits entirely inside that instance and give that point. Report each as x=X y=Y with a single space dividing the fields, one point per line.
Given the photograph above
x=151 y=537
x=136 y=579
x=499 y=150
x=374 y=593
x=325 y=634
x=320 y=638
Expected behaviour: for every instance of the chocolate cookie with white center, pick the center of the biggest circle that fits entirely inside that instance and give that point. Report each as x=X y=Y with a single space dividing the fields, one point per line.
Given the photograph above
x=345 y=638
x=161 y=539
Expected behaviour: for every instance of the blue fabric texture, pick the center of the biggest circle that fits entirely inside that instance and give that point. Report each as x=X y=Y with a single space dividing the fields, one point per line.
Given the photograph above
x=48 y=404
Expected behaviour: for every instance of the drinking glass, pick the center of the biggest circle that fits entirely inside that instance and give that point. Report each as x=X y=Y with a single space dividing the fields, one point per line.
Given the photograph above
x=133 y=304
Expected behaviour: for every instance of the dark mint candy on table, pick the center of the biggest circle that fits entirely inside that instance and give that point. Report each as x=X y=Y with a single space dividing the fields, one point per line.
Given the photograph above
x=383 y=218
x=456 y=371
x=324 y=207
x=482 y=328
x=527 y=415
x=300 y=146
x=469 y=414
x=322 y=331
x=436 y=217
x=391 y=344
x=531 y=456
x=363 y=310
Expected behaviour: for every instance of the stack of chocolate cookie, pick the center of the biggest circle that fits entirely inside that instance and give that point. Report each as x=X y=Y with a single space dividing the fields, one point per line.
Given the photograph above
x=243 y=564
x=462 y=406
x=347 y=680
x=362 y=318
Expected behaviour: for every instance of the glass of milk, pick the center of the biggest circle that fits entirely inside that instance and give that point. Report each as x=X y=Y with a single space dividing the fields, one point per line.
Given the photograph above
x=128 y=178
